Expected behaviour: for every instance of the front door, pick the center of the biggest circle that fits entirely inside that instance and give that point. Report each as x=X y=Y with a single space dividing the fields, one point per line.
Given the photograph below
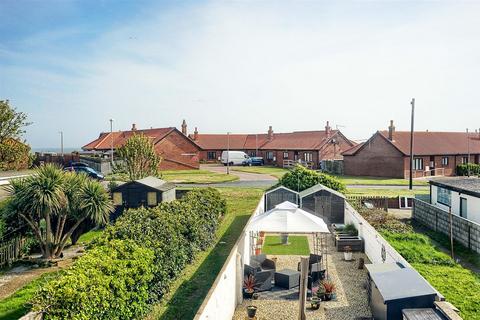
x=295 y=155
x=432 y=165
x=463 y=208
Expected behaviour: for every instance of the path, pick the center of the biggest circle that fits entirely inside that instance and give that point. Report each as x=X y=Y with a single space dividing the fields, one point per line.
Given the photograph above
x=20 y=276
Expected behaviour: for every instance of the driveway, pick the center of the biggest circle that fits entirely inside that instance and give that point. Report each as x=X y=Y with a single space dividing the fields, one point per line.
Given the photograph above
x=243 y=176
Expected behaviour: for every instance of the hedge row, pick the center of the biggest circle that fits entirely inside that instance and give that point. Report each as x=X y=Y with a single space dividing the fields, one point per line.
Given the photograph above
x=462 y=169
x=135 y=261
x=301 y=178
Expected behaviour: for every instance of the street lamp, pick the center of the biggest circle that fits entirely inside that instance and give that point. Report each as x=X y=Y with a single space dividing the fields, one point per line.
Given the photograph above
x=111 y=142
x=61 y=142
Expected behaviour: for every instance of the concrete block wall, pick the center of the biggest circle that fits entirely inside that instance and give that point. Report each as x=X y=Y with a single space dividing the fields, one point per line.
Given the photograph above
x=464 y=231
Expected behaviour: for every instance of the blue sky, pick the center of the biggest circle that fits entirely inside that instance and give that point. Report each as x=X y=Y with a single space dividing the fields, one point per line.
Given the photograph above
x=238 y=66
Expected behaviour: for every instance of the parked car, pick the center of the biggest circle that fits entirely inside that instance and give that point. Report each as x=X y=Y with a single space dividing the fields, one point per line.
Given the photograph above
x=78 y=164
x=253 y=161
x=86 y=170
x=234 y=157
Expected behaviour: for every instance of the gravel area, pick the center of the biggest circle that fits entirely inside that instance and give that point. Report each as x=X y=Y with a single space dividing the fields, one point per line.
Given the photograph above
x=351 y=301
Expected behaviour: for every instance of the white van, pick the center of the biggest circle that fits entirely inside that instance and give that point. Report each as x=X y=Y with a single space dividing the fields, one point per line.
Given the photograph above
x=234 y=157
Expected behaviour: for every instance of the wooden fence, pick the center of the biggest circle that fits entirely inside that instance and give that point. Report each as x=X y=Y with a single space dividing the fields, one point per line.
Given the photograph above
x=383 y=202
x=10 y=251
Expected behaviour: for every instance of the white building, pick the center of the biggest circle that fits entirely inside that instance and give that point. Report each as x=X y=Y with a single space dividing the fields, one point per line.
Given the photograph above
x=461 y=194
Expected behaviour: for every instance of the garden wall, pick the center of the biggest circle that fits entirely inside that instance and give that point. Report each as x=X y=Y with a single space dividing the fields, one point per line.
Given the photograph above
x=226 y=292
x=377 y=248
x=464 y=231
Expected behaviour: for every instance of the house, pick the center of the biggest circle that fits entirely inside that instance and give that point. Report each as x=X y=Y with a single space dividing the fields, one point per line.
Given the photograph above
x=146 y=192
x=177 y=150
x=460 y=194
x=387 y=153
x=278 y=149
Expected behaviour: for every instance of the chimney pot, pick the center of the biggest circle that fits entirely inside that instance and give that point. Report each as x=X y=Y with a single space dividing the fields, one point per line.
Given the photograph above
x=270 y=133
x=195 y=134
x=391 y=131
x=134 y=127
x=328 y=129
x=184 y=127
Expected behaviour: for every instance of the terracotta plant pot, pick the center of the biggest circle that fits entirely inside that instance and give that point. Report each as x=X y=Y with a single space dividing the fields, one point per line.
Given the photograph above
x=258 y=251
x=251 y=311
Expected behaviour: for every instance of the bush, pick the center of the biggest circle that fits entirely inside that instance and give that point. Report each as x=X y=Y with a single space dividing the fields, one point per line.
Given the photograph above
x=462 y=169
x=301 y=178
x=383 y=221
x=109 y=282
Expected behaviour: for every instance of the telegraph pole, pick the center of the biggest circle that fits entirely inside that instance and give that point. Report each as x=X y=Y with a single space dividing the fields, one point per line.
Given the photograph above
x=228 y=152
x=61 y=142
x=410 y=184
x=468 y=152
x=111 y=143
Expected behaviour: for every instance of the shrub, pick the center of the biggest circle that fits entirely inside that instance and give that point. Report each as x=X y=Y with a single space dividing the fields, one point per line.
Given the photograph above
x=462 y=169
x=109 y=282
x=383 y=221
x=350 y=228
x=301 y=178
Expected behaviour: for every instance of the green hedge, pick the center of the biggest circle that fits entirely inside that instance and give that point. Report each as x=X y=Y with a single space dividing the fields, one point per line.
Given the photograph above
x=111 y=281
x=462 y=169
x=134 y=262
x=301 y=178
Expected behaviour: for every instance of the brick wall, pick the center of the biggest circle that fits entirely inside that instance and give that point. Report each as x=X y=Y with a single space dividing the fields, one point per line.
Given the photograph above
x=464 y=231
x=378 y=158
x=178 y=152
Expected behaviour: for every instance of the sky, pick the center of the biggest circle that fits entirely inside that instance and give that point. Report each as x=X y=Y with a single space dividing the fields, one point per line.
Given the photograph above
x=239 y=66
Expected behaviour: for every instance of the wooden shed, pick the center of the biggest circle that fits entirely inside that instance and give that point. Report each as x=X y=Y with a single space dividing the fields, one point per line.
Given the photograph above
x=146 y=192
x=279 y=195
x=324 y=202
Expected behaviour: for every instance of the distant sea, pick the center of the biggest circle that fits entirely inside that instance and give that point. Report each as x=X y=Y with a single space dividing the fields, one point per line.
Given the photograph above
x=57 y=150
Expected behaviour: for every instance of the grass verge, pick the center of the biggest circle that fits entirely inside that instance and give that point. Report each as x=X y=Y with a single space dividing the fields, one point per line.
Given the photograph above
x=197 y=176
x=16 y=305
x=297 y=245
x=273 y=171
x=189 y=290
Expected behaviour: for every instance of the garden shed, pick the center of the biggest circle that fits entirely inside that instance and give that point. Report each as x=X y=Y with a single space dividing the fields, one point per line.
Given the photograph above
x=146 y=192
x=324 y=202
x=279 y=195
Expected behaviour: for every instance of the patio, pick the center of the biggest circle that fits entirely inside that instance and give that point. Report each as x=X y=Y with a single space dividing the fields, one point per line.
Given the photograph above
x=351 y=301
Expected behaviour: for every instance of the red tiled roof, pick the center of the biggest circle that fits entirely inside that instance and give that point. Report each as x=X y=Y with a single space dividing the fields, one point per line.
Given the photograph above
x=352 y=150
x=299 y=140
x=104 y=141
x=430 y=143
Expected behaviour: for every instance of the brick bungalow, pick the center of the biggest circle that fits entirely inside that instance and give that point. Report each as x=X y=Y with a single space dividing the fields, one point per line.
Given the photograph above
x=275 y=148
x=177 y=150
x=387 y=153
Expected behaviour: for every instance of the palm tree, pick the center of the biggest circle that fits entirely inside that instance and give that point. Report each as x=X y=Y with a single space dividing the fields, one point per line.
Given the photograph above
x=52 y=195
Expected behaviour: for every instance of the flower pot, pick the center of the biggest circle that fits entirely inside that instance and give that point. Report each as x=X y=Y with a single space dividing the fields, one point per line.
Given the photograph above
x=251 y=311
x=255 y=296
x=284 y=238
x=247 y=294
x=315 y=303
x=328 y=296
x=257 y=251
x=347 y=256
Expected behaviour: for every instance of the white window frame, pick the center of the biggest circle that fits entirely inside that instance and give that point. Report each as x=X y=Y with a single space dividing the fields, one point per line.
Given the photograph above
x=117 y=198
x=445 y=161
x=444 y=196
x=417 y=163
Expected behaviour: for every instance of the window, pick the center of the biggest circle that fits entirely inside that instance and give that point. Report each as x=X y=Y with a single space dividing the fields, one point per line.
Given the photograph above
x=152 y=198
x=269 y=155
x=308 y=156
x=418 y=164
x=463 y=208
x=445 y=161
x=444 y=196
x=212 y=155
x=253 y=153
x=117 y=198
x=464 y=160
x=285 y=154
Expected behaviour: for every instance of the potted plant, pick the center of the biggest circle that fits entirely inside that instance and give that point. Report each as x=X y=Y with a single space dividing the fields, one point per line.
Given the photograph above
x=249 y=286
x=321 y=292
x=329 y=287
x=347 y=253
x=251 y=311
x=315 y=303
x=258 y=250
x=284 y=238
x=262 y=234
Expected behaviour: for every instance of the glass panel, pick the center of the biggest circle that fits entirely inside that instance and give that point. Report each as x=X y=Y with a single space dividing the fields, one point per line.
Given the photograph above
x=152 y=198
x=117 y=198
x=443 y=196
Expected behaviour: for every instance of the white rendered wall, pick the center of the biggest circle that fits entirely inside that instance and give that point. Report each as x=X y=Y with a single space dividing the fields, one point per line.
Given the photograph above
x=473 y=204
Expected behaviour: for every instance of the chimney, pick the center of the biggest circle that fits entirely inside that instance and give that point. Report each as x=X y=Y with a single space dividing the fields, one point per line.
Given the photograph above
x=391 y=131
x=134 y=127
x=195 y=134
x=328 y=129
x=184 y=127
x=270 y=133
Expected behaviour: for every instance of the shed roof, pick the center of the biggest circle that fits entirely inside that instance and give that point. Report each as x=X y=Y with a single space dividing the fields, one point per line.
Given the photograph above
x=320 y=187
x=156 y=183
x=281 y=187
x=401 y=284
x=467 y=185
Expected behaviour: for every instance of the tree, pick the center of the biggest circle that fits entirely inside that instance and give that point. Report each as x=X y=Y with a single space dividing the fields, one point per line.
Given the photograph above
x=52 y=197
x=141 y=159
x=301 y=178
x=14 y=154
x=12 y=122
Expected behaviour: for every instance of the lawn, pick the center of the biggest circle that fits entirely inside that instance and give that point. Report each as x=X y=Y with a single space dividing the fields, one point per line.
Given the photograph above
x=297 y=245
x=385 y=192
x=354 y=180
x=15 y=306
x=273 y=171
x=185 y=176
x=189 y=290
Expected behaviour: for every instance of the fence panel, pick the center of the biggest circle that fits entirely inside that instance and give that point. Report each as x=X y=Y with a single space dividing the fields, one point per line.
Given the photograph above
x=10 y=251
